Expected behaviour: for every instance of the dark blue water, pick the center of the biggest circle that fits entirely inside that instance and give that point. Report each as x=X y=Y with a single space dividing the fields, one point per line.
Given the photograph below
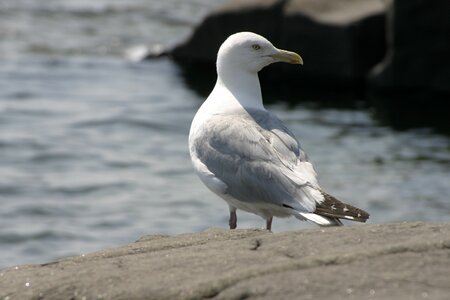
x=93 y=146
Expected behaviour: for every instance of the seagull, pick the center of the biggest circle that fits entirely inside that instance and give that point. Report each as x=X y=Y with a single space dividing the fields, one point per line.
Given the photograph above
x=246 y=155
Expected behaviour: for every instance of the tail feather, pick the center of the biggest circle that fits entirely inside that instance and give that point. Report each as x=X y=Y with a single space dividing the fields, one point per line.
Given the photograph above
x=332 y=207
x=319 y=220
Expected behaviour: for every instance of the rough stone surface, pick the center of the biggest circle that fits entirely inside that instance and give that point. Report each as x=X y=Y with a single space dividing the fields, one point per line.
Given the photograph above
x=391 y=261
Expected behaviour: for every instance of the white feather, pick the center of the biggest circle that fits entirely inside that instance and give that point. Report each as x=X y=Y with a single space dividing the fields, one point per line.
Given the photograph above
x=319 y=220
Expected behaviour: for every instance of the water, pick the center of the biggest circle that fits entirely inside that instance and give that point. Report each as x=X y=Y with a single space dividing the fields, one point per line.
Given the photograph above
x=93 y=147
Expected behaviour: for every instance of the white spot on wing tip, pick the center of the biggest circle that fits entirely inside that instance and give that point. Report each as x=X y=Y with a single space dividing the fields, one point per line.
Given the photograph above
x=349 y=217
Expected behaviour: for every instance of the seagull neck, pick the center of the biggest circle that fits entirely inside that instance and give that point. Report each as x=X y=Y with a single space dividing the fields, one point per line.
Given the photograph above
x=244 y=87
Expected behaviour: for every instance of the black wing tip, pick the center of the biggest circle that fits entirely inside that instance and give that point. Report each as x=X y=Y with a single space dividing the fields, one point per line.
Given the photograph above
x=332 y=207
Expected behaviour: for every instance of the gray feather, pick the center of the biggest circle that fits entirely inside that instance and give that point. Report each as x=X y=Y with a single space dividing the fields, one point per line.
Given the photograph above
x=255 y=155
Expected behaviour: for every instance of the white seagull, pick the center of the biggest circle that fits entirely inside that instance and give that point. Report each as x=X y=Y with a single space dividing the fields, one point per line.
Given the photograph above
x=246 y=155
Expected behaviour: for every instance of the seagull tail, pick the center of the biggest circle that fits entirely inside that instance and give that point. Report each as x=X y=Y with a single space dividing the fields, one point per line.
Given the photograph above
x=331 y=207
x=319 y=220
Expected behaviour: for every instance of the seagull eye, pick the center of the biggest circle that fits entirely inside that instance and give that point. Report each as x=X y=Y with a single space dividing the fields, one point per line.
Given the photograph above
x=256 y=47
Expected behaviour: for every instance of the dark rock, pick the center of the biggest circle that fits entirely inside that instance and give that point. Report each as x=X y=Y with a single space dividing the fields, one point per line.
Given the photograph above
x=339 y=40
x=411 y=87
x=259 y=16
x=390 y=261
x=197 y=55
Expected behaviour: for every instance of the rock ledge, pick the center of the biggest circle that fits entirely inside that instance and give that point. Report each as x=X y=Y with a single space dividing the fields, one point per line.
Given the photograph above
x=391 y=261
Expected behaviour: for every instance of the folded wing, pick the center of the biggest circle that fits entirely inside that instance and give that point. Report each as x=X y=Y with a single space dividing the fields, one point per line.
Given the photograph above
x=259 y=160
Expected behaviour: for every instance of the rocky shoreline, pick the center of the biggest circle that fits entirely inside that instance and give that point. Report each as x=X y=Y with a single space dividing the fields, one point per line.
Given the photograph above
x=389 y=261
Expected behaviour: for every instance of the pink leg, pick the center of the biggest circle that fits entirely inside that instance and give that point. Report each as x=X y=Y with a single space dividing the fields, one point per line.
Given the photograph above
x=233 y=219
x=269 y=224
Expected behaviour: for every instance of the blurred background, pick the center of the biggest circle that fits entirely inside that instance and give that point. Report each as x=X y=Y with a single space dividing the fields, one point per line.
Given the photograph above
x=93 y=141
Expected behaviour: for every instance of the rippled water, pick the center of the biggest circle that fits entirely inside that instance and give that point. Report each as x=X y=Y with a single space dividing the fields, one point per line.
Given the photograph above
x=93 y=148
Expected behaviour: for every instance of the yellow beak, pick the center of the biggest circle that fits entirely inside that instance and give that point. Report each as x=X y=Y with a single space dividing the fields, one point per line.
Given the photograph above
x=288 y=57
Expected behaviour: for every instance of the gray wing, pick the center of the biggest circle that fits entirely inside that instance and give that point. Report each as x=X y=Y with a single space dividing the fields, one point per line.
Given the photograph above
x=258 y=159
x=283 y=141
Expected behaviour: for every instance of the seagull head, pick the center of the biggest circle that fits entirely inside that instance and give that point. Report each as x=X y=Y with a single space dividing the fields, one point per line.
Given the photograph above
x=251 y=52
